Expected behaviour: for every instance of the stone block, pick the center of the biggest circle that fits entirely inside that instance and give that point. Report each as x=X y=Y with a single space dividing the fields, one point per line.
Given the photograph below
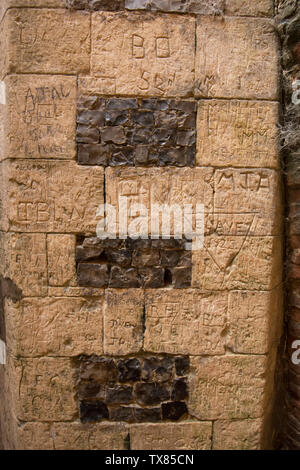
x=61 y=260
x=54 y=326
x=200 y=7
x=41 y=196
x=40 y=117
x=185 y=322
x=238 y=133
x=169 y=436
x=47 y=41
x=243 y=434
x=249 y=7
x=228 y=387
x=246 y=263
x=123 y=321
x=236 y=58
x=143 y=54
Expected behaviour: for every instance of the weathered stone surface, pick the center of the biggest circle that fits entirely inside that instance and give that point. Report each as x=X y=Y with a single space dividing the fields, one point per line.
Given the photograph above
x=123 y=321
x=173 y=410
x=237 y=435
x=98 y=369
x=185 y=322
x=169 y=436
x=238 y=133
x=228 y=387
x=93 y=411
x=24 y=261
x=47 y=41
x=148 y=132
x=61 y=260
x=75 y=291
x=149 y=186
x=55 y=326
x=129 y=370
x=254 y=321
x=151 y=393
x=249 y=7
x=94 y=275
x=199 y=7
x=41 y=196
x=40 y=119
x=236 y=58
x=143 y=54
x=95 y=5
x=71 y=436
x=157 y=369
x=43 y=389
x=247 y=263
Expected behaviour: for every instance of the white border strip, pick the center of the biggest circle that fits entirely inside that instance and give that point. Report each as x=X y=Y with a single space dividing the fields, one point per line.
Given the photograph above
x=2 y=93
x=2 y=352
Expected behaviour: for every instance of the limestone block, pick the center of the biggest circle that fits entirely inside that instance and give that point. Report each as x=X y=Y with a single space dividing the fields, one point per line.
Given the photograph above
x=236 y=58
x=170 y=436
x=200 y=7
x=237 y=133
x=255 y=320
x=24 y=261
x=243 y=434
x=34 y=436
x=5 y=4
x=76 y=436
x=75 y=292
x=252 y=193
x=40 y=116
x=61 y=260
x=54 y=326
x=185 y=322
x=4 y=46
x=228 y=387
x=143 y=54
x=43 y=389
x=41 y=196
x=249 y=7
x=49 y=41
x=236 y=262
x=149 y=186
x=123 y=321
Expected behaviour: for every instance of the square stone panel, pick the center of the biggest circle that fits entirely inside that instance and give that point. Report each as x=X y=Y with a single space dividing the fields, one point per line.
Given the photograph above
x=228 y=387
x=47 y=41
x=143 y=54
x=249 y=7
x=243 y=434
x=238 y=133
x=169 y=436
x=41 y=196
x=55 y=326
x=185 y=322
x=236 y=262
x=123 y=321
x=236 y=58
x=40 y=117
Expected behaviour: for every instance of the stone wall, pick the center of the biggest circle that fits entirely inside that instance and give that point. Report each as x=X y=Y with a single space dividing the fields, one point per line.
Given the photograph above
x=139 y=343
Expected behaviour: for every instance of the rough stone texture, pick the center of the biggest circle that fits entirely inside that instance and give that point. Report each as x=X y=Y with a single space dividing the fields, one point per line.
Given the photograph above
x=146 y=132
x=5 y=4
x=24 y=261
x=54 y=326
x=238 y=434
x=46 y=41
x=182 y=436
x=132 y=389
x=185 y=322
x=254 y=327
x=96 y=5
x=200 y=7
x=41 y=196
x=143 y=54
x=61 y=260
x=229 y=387
x=236 y=58
x=249 y=7
x=42 y=389
x=40 y=115
x=133 y=263
x=247 y=263
x=237 y=133
x=123 y=321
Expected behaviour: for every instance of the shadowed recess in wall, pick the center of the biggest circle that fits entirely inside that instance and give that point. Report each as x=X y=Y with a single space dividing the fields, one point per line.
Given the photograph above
x=133 y=389
x=140 y=132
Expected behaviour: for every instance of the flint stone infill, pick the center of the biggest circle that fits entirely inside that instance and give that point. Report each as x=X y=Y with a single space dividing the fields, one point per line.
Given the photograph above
x=133 y=263
x=140 y=132
x=134 y=389
x=200 y=7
